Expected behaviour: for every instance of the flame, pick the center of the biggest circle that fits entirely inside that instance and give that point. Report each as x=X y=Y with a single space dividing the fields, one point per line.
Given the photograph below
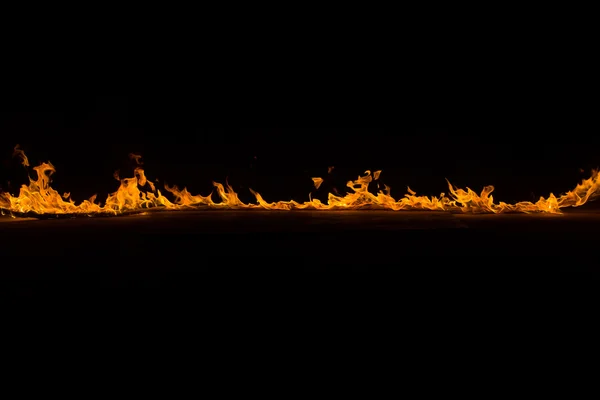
x=317 y=182
x=138 y=194
x=17 y=152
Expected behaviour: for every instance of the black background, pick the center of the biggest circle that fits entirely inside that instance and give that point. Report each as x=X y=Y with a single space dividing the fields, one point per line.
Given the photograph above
x=478 y=111
x=87 y=138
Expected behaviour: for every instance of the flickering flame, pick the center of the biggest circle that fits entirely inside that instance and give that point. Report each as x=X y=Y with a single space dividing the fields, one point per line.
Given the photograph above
x=137 y=194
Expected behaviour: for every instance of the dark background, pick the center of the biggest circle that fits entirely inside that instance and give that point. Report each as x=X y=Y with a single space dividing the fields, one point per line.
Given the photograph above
x=87 y=138
x=524 y=122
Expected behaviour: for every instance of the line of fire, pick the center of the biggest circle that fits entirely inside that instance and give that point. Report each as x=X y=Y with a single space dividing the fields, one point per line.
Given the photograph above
x=137 y=194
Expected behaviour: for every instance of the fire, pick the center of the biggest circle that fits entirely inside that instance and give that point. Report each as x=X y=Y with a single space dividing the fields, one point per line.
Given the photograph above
x=137 y=194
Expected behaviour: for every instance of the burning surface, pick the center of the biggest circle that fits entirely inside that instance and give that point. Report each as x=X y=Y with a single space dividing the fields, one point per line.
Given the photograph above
x=138 y=194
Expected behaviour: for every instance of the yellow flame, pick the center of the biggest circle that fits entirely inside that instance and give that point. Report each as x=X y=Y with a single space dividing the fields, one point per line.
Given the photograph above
x=17 y=152
x=317 y=182
x=138 y=193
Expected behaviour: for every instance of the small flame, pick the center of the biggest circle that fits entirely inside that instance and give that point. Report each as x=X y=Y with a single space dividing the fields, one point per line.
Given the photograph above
x=17 y=152
x=317 y=182
x=138 y=193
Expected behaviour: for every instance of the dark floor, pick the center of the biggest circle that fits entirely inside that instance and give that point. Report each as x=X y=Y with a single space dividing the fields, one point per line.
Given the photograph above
x=187 y=250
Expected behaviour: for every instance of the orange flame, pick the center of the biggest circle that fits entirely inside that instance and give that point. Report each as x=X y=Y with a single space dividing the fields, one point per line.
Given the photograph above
x=138 y=194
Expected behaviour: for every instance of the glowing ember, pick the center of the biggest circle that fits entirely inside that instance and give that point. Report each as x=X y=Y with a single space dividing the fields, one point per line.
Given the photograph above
x=39 y=197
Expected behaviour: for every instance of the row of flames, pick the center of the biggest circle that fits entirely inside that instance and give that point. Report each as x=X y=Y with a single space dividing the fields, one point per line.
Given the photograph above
x=38 y=197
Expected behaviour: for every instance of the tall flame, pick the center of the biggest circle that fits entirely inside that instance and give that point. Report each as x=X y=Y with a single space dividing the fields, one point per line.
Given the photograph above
x=138 y=193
